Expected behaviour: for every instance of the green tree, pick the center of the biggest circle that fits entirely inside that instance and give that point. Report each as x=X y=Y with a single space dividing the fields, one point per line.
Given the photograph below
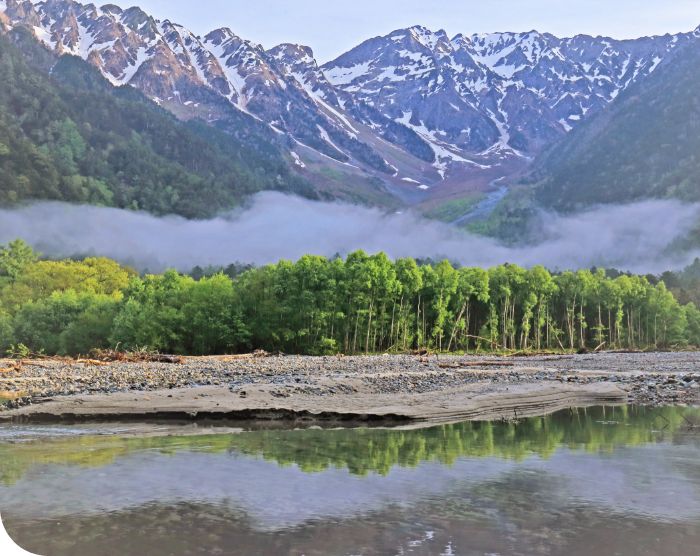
x=472 y=287
x=410 y=283
x=15 y=257
x=213 y=318
x=66 y=323
x=151 y=314
x=6 y=331
x=444 y=286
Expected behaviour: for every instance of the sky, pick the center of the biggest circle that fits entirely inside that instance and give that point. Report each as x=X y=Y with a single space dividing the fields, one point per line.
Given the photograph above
x=332 y=27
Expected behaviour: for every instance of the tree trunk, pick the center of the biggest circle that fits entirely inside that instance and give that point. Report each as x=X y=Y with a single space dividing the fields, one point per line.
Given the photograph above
x=369 y=325
x=454 y=328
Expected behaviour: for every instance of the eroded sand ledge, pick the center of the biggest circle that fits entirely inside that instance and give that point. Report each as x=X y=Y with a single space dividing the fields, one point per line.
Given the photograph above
x=216 y=402
x=398 y=389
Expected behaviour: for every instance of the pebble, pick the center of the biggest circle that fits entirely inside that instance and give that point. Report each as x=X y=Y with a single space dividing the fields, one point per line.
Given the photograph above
x=650 y=378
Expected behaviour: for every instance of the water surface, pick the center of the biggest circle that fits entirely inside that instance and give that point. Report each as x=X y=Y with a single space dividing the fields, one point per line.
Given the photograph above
x=604 y=480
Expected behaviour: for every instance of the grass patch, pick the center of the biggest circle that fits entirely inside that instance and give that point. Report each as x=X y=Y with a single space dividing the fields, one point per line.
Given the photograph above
x=452 y=210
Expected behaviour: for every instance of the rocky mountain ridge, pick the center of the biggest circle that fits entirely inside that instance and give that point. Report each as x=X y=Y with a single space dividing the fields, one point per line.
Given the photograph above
x=415 y=108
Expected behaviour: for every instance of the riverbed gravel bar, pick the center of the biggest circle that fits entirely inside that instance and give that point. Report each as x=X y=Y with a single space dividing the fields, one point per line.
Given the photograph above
x=384 y=387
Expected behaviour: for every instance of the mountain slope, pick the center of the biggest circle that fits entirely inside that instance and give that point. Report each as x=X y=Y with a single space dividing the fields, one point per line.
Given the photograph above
x=189 y=75
x=72 y=136
x=646 y=144
x=508 y=92
x=415 y=112
x=415 y=117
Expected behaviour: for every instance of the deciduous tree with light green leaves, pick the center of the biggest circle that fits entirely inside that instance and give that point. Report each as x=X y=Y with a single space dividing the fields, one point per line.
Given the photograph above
x=318 y=306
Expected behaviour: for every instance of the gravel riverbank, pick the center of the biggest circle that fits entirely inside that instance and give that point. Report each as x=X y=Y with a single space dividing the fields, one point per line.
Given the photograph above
x=408 y=386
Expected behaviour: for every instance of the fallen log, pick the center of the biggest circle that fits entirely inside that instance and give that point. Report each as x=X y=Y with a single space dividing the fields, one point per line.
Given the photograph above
x=113 y=356
x=257 y=354
x=477 y=364
x=524 y=353
x=92 y=362
x=14 y=367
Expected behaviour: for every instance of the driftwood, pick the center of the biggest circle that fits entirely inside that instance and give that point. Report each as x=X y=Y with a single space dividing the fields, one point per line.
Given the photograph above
x=174 y=359
x=15 y=366
x=257 y=354
x=477 y=364
x=560 y=344
x=487 y=340
x=530 y=354
x=92 y=362
x=112 y=356
x=19 y=364
x=488 y=364
x=689 y=425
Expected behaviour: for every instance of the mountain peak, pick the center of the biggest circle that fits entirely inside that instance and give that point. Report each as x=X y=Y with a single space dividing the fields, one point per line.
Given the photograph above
x=300 y=52
x=428 y=38
x=134 y=13
x=169 y=23
x=138 y=21
x=220 y=35
x=112 y=9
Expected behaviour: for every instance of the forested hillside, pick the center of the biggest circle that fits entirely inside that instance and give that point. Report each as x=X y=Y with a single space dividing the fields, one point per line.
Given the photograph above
x=645 y=145
x=67 y=134
x=362 y=304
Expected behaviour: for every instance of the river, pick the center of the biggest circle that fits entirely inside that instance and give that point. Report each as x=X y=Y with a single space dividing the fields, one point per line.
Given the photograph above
x=486 y=206
x=622 y=480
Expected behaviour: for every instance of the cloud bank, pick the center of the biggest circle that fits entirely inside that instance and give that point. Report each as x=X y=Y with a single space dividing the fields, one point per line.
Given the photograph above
x=634 y=237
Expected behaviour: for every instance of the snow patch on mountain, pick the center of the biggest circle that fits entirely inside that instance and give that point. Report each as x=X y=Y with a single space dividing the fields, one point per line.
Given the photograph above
x=474 y=101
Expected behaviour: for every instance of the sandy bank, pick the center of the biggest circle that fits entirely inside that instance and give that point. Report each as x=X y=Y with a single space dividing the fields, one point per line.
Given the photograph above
x=382 y=388
x=216 y=402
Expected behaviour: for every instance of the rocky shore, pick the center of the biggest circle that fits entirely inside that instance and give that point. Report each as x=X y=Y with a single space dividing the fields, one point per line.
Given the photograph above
x=364 y=387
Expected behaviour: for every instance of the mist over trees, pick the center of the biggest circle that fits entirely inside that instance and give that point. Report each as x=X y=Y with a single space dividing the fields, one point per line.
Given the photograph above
x=360 y=304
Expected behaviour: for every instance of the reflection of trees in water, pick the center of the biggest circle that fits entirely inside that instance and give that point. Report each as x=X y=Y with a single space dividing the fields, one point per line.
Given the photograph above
x=378 y=450
x=363 y=451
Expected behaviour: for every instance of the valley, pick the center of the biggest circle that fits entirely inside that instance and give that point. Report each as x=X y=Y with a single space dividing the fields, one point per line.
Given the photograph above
x=414 y=118
x=429 y=288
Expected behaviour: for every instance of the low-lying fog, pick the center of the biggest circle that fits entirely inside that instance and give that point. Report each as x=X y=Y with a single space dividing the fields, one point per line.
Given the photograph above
x=634 y=237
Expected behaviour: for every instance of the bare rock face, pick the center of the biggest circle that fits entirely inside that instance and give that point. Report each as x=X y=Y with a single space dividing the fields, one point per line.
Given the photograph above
x=507 y=91
x=412 y=102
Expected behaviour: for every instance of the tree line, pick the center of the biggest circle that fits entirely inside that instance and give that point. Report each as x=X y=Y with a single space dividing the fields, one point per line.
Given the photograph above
x=316 y=305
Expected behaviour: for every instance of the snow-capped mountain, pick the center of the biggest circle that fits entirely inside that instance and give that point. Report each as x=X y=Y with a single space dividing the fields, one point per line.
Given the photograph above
x=414 y=107
x=506 y=91
x=189 y=74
